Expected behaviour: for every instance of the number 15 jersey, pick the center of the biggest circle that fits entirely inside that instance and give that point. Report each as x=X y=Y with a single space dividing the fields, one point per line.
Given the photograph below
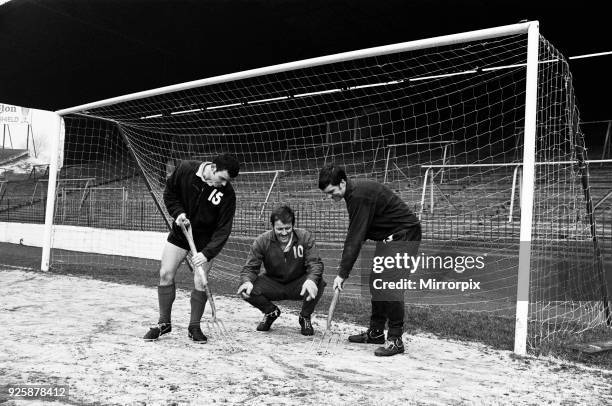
x=210 y=209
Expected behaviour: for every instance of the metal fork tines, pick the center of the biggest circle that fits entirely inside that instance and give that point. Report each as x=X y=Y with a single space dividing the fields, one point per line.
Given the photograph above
x=217 y=327
x=326 y=343
x=330 y=339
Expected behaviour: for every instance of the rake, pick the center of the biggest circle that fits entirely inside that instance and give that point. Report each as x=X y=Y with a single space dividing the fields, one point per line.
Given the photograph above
x=329 y=339
x=215 y=325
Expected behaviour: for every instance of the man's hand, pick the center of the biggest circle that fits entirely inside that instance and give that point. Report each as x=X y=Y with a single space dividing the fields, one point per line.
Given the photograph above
x=245 y=289
x=199 y=259
x=182 y=219
x=338 y=283
x=310 y=287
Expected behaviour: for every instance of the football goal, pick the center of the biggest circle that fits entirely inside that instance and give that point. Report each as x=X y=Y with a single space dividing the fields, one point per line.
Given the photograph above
x=455 y=115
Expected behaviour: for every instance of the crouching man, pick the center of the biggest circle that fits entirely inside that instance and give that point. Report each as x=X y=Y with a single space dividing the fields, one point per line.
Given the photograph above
x=293 y=271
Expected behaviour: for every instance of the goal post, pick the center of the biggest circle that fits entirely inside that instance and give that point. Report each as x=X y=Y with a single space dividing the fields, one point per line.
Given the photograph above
x=54 y=164
x=492 y=100
x=529 y=143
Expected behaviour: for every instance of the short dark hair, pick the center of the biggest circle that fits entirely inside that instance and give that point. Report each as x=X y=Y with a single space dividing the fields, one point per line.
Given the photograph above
x=284 y=214
x=227 y=162
x=331 y=175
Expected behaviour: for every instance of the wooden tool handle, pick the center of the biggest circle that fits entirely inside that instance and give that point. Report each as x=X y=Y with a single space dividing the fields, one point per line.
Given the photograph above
x=189 y=235
x=332 y=307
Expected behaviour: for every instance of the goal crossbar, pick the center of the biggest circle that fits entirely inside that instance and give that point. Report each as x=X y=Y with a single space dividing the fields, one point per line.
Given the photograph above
x=439 y=41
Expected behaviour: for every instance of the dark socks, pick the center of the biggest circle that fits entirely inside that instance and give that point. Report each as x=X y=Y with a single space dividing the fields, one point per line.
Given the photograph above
x=198 y=301
x=165 y=295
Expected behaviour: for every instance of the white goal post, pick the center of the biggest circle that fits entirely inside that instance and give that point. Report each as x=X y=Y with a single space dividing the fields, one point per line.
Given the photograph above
x=501 y=97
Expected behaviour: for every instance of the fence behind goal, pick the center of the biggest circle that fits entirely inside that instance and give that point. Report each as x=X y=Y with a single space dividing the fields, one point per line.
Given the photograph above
x=441 y=121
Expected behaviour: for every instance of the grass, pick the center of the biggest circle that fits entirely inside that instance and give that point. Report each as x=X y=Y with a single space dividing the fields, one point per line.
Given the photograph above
x=497 y=332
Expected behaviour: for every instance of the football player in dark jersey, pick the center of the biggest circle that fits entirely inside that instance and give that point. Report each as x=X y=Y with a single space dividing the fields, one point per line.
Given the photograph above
x=199 y=195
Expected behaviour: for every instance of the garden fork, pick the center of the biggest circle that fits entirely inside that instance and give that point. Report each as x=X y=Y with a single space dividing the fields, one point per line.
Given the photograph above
x=329 y=339
x=215 y=325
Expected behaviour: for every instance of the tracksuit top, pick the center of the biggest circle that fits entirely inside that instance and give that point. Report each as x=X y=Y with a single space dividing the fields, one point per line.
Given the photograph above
x=284 y=267
x=210 y=209
x=375 y=213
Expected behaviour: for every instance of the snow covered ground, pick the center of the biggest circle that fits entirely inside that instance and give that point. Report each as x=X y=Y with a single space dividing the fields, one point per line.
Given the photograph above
x=87 y=334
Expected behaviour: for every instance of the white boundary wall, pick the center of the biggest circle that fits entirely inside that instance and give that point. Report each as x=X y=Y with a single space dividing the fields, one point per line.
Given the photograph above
x=140 y=244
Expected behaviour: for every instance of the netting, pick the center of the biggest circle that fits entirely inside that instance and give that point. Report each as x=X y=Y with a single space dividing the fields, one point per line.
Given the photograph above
x=567 y=277
x=441 y=126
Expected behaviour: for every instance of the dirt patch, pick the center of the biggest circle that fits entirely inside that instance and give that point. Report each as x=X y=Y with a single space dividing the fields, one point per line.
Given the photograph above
x=87 y=334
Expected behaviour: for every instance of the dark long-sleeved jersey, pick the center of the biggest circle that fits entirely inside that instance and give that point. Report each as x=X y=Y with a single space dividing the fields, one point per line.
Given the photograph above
x=284 y=267
x=375 y=213
x=210 y=209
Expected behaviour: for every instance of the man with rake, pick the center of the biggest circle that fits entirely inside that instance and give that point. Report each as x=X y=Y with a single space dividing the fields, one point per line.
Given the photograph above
x=293 y=271
x=197 y=194
x=375 y=213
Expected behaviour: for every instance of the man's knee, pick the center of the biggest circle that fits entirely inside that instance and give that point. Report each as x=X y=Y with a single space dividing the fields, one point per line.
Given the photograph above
x=257 y=297
x=264 y=286
x=172 y=256
x=256 y=291
x=321 y=288
x=259 y=290
x=166 y=276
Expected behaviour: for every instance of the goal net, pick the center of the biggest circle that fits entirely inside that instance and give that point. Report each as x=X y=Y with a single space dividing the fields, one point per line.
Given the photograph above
x=441 y=121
